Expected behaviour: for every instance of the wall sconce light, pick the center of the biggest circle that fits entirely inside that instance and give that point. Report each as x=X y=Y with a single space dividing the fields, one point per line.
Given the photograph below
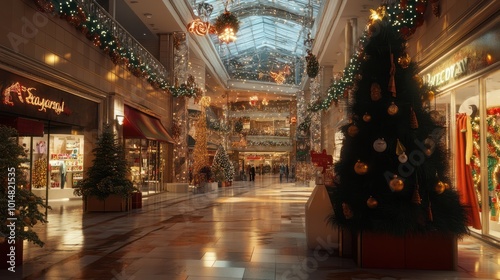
x=119 y=119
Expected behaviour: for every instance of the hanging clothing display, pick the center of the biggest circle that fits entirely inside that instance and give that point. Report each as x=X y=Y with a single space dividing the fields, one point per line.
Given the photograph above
x=465 y=185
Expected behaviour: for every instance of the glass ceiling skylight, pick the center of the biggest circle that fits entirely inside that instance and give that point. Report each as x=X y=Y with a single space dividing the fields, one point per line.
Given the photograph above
x=270 y=39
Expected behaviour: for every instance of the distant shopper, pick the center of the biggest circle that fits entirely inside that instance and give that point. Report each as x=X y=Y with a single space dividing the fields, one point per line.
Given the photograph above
x=252 y=173
x=282 y=172
x=287 y=171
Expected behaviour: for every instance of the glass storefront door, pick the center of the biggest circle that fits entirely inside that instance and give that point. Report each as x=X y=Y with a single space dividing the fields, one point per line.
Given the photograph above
x=144 y=158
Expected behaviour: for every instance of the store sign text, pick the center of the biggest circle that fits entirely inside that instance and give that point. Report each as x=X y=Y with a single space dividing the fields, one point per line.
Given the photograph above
x=451 y=72
x=30 y=98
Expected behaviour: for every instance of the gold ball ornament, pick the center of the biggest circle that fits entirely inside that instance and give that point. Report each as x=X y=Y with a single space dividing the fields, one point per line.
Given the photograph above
x=419 y=80
x=360 y=168
x=367 y=117
x=440 y=187
x=352 y=130
x=2 y=239
x=347 y=211
x=430 y=95
x=396 y=184
x=372 y=202
x=375 y=92
x=404 y=60
x=393 y=109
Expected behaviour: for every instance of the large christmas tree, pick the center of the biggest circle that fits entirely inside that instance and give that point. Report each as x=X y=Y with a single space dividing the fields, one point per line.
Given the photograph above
x=393 y=174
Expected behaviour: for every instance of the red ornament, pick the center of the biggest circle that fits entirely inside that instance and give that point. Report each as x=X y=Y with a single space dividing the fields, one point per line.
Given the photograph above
x=403 y=4
x=421 y=8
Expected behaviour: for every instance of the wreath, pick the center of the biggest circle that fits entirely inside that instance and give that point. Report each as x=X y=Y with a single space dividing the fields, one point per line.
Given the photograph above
x=226 y=20
x=312 y=65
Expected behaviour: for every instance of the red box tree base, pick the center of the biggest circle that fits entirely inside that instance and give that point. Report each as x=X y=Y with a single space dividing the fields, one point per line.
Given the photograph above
x=433 y=251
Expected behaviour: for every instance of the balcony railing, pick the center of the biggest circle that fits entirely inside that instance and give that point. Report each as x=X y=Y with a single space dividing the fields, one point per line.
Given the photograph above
x=106 y=33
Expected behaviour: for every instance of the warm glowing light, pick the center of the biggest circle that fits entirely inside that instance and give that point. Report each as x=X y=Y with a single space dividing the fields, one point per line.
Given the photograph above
x=228 y=35
x=51 y=59
x=253 y=100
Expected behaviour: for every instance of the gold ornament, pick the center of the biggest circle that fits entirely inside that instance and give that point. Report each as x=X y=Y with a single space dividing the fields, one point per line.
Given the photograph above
x=430 y=145
x=375 y=92
x=352 y=130
x=413 y=119
x=416 y=196
x=419 y=80
x=205 y=101
x=396 y=184
x=392 y=81
x=367 y=117
x=393 y=109
x=198 y=27
x=360 y=168
x=347 y=211
x=404 y=60
x=400 y=149
x=372 y=202
x=440 y=187
x=430 y=95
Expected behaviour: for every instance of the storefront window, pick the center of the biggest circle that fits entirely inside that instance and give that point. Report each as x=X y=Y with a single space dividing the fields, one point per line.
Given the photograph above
x=467 y=156
x=144 y=157
x=492 y=187
x=54 y=160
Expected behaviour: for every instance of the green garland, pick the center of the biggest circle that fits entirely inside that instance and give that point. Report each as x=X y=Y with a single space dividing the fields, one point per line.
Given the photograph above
x=305 y=125
x=405 y=18
x=96 y=31
x=184 y=90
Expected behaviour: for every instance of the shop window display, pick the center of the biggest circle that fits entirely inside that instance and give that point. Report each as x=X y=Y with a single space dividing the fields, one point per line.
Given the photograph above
x=62 y=162
x=144 y=157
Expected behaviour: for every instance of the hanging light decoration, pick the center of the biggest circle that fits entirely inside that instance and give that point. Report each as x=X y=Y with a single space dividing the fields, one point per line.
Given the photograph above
x=226 y=26
x=253 y=100
x=201 y=26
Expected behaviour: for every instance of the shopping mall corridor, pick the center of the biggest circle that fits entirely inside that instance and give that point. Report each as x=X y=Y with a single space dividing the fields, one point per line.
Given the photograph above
x=251 y=230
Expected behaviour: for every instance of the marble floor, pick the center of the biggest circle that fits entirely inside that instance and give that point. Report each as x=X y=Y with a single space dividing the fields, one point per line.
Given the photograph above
x=251 y=230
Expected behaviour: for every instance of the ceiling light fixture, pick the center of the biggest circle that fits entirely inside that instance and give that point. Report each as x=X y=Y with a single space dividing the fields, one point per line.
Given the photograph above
x=148 y=15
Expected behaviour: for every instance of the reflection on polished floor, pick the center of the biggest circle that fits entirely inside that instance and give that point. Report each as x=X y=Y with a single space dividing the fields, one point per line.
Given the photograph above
x=252 y=230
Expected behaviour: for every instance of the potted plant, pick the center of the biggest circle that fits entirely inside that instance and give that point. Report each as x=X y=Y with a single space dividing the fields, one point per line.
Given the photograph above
x=106 y=186
x=19 y=208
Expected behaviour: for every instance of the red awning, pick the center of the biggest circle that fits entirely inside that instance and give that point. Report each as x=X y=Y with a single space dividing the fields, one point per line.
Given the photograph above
x=24 y=127
x=140 y=125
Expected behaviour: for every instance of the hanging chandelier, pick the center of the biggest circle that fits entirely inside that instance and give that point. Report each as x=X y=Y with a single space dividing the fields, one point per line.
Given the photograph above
x=226 y=25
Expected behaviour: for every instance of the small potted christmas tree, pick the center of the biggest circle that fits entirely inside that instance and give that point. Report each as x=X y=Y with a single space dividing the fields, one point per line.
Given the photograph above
x=222 y=168
x=19 y=208
x=106 y=186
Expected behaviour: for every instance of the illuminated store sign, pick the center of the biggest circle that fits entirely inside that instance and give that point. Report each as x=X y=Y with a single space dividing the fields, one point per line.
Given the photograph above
x=478 y=54
x=28 y=95
x=449 y=73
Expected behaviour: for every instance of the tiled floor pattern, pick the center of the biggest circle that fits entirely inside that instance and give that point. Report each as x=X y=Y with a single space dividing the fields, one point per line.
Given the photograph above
x=252 y=230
